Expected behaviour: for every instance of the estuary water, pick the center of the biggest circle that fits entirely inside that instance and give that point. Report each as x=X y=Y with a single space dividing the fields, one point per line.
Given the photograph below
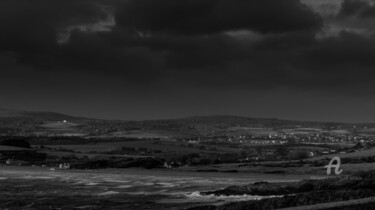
x=117 y=189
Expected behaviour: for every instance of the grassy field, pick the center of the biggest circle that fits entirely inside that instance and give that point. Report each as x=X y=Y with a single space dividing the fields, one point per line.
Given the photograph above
x=341 y=132
x=351 y=204
x=10 y=148
x=165 y=146
x=306 y=169
x=58 y=125
x=358 y=154
x=302 y=131
x=141 y=134
x=368 y=130
x=308 y=148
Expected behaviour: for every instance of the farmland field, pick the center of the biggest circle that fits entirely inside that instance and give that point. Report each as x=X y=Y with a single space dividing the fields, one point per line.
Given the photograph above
x=155 y=145
x=357 y=154
x=11 y=148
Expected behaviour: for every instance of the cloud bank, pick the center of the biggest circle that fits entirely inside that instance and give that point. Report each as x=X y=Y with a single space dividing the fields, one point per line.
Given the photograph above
x=216 y=43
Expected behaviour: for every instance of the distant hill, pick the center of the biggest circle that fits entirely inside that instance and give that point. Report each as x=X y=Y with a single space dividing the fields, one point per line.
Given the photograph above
x=225 y=125
x=238 y=121
x=5 y=113
x=14 y=122
x=39 y=116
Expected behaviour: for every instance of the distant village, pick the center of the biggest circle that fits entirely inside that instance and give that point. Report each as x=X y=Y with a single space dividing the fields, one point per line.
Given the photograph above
x=232 y=146
x=277 y=139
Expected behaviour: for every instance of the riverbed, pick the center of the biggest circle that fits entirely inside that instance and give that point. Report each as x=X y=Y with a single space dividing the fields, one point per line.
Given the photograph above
x=36 y=187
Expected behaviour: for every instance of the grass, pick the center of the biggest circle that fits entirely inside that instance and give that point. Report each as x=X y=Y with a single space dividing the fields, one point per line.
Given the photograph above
x=10 y=148
x=138 y=134
x=351 y=204
x=342 y=132
x=308 y=148
x=368 y=130
x=58 y=125
x=358 y=154
x=165 y=146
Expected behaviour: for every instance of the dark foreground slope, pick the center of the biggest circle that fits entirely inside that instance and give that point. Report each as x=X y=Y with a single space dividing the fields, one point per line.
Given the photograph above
x=303 y=193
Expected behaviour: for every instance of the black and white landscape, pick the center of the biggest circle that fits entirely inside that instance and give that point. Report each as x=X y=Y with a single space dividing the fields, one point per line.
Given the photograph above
x=187 y=104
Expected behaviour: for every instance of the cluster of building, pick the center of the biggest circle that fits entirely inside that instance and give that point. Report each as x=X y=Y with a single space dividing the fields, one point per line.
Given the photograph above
x=291 y=138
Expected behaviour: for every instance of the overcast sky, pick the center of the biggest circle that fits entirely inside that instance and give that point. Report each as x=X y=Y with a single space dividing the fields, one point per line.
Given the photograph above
x=148 y=59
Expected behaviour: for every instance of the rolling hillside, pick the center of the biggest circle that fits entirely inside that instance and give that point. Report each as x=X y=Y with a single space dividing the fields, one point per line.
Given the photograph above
x=14 y=122
x=20 y=122
x=40 y=116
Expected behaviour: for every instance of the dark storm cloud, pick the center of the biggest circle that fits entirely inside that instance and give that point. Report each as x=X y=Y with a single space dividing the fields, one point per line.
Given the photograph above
x=222 y=43
x=345 y=60
x=346 y=49
x=215 y=16
x=32 y=26
x=30 y=30
x=96 y=53
x=357 y=8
